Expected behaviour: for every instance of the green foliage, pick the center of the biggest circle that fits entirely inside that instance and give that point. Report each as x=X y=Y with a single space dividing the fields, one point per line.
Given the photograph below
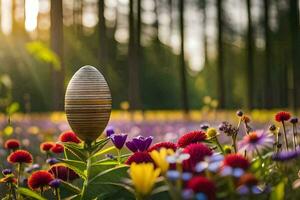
x=29 y=194
x=43 y=53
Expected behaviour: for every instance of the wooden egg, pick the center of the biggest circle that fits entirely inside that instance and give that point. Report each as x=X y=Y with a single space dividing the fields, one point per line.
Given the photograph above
x=88 y=103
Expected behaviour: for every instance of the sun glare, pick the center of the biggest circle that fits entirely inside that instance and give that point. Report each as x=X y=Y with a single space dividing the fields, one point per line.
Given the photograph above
x=31 y=14
x=6 y=17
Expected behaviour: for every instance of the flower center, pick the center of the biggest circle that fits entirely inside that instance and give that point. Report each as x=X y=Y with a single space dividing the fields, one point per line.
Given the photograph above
x=253 y=138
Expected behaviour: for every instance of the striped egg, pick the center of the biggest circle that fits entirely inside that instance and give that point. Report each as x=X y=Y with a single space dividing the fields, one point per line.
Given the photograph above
x=88 y=103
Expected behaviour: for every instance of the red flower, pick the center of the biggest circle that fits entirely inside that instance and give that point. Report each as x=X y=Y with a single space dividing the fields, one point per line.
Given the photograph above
x=57 y=148
x=191 y=137
x=282 y=116
x=139 y=157
x=69 y=136
x=197 y=153
x=39 y=179
x=201 y=184
x=20 y=156
x=236 y=161
x=167 y=145
x=12 y=144
x=248 y=179
x=63 y=173
x=46 y=146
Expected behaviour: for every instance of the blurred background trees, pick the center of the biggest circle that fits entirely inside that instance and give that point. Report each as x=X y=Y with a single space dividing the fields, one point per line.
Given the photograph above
x=155 y=54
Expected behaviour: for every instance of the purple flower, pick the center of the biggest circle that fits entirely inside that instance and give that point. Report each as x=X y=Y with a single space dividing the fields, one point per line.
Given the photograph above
x=119 y=140
x=139 y=143
x=110 y=131
x=52 y=161
x=294 y=120
x=7 y=172
x=55 y=183
x=256 y=140
x=131 y=146
x=285 y=155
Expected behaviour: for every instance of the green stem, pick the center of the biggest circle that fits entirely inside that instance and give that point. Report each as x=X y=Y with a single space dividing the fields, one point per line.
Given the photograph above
x=42 y=190
x=88 y=169
x=57 y=193
x=277 y=142
x=285 y=137
x=294 y=136
x=19 y=173
x=234 y=142
x=219 y=145
x=179 y=182
x=172 y=191
x=119 y=156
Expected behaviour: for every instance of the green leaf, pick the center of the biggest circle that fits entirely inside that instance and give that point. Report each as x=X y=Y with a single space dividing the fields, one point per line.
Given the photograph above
x=42 y=52
x=278 y=191
x=78 y=164
x=106 y=182
x=12 y=108
x=100 y=153
x=74 y=151
x=28 y=193
x=68 y=190
x=99 y=145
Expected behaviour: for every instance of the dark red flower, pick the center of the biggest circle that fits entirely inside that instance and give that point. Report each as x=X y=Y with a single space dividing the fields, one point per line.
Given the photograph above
x=139 y=157
x=236 y=161
x=69 y=136
x=57 y=148
x=248 y=179
x=167 y=145
x=12 y=144
x=46 y=146
x=197 y=153
x=63 y=173
x=201 y=184
x=20 y=156
x=190 y=138
x=282 y=116
x=39 y=179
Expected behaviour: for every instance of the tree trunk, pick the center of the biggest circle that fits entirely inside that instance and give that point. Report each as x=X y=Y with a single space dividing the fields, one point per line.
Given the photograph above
x=268 y=92
x=204 y=36
x=139 y=50
x=220 y=83
x=185 y=102
x=102 y=36
x=156 y=23
x=170 y=4
x=133 y=85
x=58 y=75
x=295 y=47
x=250 y=64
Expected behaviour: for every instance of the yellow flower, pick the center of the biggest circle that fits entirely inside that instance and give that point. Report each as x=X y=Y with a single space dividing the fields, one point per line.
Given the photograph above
x=211 y=132
x=143 y=177
x=160 y=157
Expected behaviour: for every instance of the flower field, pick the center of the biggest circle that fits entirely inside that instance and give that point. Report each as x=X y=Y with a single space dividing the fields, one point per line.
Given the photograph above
x=155 y=155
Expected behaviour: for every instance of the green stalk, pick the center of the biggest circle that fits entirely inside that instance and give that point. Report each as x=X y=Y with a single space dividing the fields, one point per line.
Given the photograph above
x=294 y=136
x=285 y=137
x=19 y=173
x=119 y=156
x=88 y=169
x=234 y=142
x=219 y=145
x=57 y=193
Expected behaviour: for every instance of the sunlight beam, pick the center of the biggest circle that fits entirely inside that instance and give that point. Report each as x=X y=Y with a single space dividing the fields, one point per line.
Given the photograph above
x=31 y=14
